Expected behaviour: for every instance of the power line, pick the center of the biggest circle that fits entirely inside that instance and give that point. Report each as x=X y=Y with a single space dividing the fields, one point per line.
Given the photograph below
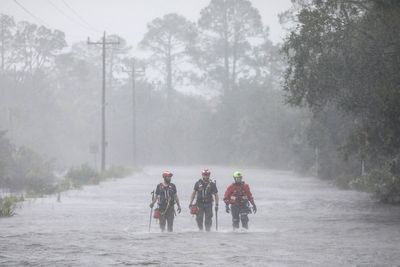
x=80 y=17
x=31 y=14
x=68 y=17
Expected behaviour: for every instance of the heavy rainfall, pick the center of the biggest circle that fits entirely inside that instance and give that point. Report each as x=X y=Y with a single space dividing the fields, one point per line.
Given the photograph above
x=199 y=133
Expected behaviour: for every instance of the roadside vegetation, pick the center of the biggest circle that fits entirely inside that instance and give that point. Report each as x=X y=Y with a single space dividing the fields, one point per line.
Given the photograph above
x=343 y=66
x=325 y=102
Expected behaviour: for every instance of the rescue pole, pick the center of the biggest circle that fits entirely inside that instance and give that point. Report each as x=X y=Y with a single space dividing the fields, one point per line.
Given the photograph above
x=216 y=213
x=151 y=209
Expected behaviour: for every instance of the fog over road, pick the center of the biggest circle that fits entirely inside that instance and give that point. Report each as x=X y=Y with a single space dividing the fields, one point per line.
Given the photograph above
x=301 y=221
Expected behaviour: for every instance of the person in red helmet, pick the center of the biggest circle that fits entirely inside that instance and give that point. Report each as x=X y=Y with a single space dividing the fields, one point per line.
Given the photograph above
x=207 y=193
x=238 y=195
x=166 y=197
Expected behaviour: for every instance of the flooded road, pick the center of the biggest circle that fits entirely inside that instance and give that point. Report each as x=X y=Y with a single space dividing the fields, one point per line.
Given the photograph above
x=301 y=221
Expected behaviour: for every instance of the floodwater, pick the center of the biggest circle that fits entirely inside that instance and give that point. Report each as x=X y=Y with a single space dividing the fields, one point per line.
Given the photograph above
x=301 y=221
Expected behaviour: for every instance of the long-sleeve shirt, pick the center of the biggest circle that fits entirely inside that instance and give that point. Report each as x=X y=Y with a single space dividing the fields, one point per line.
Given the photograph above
x=238 y=193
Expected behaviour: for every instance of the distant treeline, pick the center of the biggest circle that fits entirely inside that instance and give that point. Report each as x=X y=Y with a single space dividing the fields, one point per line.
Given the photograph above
x=211 y=92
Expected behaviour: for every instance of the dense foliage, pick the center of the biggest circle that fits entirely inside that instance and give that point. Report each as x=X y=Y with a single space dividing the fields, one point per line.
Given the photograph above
x=344 y=63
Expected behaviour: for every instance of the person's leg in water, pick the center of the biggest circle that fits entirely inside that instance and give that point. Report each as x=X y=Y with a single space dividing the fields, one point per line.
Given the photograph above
x=162 y=220
x=208 y=213
x=244 y=218
x=200 y=216
x=170 y=214
x=235 y=210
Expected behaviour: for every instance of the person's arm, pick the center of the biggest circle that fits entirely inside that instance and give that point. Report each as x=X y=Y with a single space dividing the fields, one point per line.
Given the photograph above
x=177 y=203
x=157 y=196
x=227 y=198
x=249 y=194
x=215 y=193
x=216 y=199
x=192 y=198
x=250 y=197
x=155 y=199
x=227 y=195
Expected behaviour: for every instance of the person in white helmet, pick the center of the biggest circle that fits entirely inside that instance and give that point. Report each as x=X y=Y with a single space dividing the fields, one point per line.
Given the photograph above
x=207 y=192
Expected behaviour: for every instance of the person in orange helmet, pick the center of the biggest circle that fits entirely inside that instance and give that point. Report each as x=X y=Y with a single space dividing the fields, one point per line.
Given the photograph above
x=166 y=196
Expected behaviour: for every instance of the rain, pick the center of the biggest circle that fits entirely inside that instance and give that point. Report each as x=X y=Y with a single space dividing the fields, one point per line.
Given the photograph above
x=199 y=133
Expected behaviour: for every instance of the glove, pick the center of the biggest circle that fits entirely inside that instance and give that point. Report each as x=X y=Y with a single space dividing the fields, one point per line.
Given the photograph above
x=179 y=209
x=151 y=205
x=254 y=209
x=216 y=208
x=227 y=209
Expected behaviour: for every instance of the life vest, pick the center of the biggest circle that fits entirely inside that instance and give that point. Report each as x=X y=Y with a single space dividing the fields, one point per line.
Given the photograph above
x=238 y=195
x=203 y=190
x=167 y=195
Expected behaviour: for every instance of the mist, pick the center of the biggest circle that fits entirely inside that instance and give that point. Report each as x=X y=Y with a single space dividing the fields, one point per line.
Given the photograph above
x=297 y=100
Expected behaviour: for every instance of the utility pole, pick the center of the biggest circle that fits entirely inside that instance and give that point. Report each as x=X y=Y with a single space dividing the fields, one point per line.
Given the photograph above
x=103 y=100
x=2 y=44
x=133 y=114
x=133 y=72
x=317 y=161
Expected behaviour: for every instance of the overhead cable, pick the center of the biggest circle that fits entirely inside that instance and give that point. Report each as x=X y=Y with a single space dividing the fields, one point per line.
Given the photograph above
x=31 y=14
x=80 y=17
x=69 y=17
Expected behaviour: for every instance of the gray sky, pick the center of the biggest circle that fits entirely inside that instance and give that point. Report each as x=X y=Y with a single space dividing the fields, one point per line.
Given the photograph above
x=127 y=18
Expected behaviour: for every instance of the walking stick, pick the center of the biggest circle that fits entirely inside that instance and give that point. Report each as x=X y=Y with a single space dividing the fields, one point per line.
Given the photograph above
x=216 y=212
x=151 y=210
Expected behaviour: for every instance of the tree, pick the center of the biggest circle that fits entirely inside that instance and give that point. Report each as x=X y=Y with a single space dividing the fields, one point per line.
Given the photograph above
x=227 y=27
x=7 y=27
x=169 y=39
x=6 y=159
x=344 y=54
x=35 y=48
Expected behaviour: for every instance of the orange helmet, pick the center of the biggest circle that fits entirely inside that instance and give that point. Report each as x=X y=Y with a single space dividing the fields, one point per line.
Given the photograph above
x=167 y=174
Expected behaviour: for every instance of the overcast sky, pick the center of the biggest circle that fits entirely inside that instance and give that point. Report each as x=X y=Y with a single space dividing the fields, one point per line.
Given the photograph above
x=127 y=18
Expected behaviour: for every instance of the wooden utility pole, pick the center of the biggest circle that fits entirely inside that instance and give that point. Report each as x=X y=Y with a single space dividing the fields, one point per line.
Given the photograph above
x=317 y=161
x=132 y=73
x=133 y=114
x=103 y=100
x=2 y=45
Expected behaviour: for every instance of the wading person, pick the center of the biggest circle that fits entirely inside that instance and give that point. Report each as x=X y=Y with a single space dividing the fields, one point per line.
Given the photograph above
x=166 y=197
x=207 y=193
x=238 y=195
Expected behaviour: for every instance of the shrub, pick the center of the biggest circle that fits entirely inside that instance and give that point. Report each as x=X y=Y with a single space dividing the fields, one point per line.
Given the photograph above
x=116 y=172
x=381 y=183
x=8 y=205
x=84 y=174
x=32 y=173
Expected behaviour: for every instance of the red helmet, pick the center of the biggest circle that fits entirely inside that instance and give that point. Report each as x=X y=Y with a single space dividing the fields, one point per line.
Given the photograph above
x=206 y=172
x=167 y=174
